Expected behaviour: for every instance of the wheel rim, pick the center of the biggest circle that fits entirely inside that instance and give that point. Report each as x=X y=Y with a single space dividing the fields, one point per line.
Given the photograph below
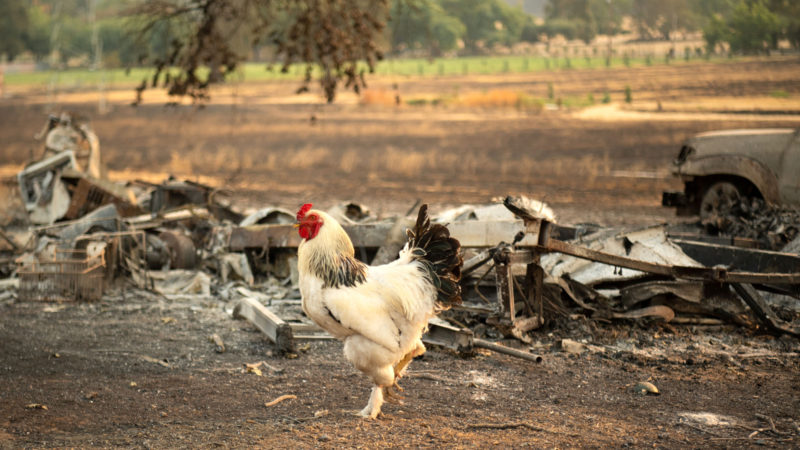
x=718 y=200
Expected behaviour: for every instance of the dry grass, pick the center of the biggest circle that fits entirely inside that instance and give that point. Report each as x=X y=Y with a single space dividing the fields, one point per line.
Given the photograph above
x=495 y=98
x=379 y=97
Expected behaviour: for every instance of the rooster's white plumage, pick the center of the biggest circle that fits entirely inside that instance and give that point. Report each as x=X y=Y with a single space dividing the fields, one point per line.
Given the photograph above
x=379 y=312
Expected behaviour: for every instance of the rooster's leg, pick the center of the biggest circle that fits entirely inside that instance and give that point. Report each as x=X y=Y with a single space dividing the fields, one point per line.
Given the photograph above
x=382 y=377
x=375 y=361
x=373 y=407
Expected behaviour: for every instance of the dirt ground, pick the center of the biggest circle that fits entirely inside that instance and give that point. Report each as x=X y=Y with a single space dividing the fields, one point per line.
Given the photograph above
x=138 y=370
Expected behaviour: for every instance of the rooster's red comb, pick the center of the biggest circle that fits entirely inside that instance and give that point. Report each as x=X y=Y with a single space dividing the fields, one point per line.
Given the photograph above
x=302 y=212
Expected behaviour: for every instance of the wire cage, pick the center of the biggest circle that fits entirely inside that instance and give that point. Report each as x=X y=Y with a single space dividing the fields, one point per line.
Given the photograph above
x=71 y=275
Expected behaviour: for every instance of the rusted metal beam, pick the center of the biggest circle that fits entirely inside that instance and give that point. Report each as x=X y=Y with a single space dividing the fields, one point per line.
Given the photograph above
x=463 y=341
x=762 y=311
x=10 y=241
x=750 y=260
x=447 y=336
x=722 y=275
x=606 y=258
x=715 y=274
x=735 y=241
x=91 y=194
x=506 y=350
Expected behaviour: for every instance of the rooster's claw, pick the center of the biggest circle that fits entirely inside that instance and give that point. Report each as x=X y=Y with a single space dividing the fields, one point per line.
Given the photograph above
x=392 y=396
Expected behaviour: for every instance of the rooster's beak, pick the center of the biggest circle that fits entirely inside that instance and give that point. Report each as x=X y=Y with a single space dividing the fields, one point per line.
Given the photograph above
x=297 y=225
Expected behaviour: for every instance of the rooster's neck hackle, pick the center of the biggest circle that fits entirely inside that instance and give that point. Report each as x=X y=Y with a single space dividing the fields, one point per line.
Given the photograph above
x=330 y=256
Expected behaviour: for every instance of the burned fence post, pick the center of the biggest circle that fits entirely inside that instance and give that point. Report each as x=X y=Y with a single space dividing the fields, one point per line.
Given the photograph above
x=505 y=258
x=505 y=283
x=534 y=280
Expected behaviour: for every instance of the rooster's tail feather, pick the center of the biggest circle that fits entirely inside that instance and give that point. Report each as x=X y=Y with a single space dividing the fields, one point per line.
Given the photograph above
x=440 y=254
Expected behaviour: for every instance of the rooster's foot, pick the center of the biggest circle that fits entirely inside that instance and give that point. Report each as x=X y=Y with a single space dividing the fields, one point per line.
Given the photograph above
x=392 y=396
x=373 y=408
x=366 y=413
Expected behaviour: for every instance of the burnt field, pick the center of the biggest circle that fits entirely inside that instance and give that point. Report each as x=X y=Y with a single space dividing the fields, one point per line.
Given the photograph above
x=271 y=147
x=138 y=370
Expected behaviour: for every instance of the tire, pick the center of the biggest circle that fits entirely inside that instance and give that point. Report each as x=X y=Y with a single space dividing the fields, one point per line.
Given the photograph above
x=182 y=253
x=718 y=199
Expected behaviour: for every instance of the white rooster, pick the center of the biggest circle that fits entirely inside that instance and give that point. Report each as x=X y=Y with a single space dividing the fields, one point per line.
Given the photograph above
x=379 y=312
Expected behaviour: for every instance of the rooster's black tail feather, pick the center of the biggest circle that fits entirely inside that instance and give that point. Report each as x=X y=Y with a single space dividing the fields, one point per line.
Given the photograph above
x=441 y=255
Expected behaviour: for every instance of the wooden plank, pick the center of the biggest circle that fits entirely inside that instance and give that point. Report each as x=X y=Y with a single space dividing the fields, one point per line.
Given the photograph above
x=278 y=331
x=306 y=328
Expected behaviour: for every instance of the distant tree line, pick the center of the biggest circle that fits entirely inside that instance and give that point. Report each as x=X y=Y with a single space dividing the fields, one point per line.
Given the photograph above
x=213 y=37
x=433 y=26
x=39 y=26
x=747 y=26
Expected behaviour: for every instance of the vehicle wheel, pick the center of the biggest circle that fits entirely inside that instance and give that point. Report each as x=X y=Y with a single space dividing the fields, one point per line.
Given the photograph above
x=718 y=200
x=182 y=253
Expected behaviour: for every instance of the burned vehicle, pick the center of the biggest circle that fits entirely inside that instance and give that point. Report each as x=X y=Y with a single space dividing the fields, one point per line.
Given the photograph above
x=721 y=167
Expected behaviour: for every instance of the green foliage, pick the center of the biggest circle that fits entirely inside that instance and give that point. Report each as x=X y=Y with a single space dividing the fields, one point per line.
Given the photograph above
x=119 y=50
x=753 y=27
x=560 y=27
x=13 y=27
x=628 y=94
x=423 y=24
x=440 y=27
x=585 y=19
x=37 y=37
x=606 y=97
x=750 y=26
x=487 y=22
x=660 y=18
x=75 y=39
x=530 y=32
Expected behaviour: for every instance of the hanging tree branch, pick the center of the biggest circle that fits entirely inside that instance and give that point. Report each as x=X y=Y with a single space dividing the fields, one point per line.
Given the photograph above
x=210 y=39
